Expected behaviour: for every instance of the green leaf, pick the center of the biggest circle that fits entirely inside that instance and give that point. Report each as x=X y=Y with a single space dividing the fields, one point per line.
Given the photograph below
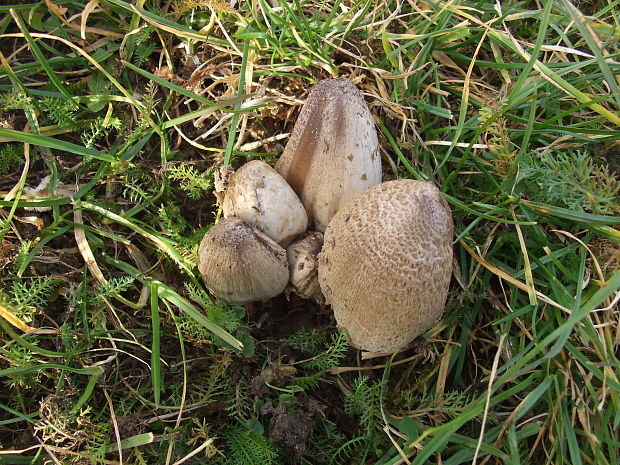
x=156 y=376
x=134 y=441
x=175 y=299
x=50 y=142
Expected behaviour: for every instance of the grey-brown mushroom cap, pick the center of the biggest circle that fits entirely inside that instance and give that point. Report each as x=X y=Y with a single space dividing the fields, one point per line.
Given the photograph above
x=240 y=264
x=303 y=262
x=333 y=151
x=386 y=264
x=258 y=195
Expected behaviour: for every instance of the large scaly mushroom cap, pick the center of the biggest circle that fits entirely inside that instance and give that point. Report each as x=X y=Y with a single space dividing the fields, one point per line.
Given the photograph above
x=333 y=151
x=386 y=264
x=258 y=195
x=240 y=264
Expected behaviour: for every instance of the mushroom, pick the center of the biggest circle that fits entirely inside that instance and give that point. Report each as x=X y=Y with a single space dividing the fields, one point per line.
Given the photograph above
x=386 y=263
x=239 y=264
x=303 y=263
x=258 y=195
x=333 y=151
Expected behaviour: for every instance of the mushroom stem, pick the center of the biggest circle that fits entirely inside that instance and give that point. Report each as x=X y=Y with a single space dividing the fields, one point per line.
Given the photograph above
x=303 y=264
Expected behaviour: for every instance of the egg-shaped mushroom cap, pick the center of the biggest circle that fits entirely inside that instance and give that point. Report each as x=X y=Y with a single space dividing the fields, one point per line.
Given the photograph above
x=240 y=264
x=303 y=263
x=386 y=264
x=258 y=195
x=333 y=151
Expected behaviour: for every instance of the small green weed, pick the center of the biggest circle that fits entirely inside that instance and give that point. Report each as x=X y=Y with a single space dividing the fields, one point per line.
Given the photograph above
x=571 y=180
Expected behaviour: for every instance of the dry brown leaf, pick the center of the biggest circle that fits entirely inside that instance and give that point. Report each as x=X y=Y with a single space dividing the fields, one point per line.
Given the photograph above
x=57 y=10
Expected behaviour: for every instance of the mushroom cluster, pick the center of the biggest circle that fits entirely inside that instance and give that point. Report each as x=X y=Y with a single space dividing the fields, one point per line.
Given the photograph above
x=384 y=261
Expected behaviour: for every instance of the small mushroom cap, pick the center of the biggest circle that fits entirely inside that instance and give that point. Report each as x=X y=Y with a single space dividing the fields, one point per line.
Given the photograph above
x=263 y=199
x=303 y=264
x=333 y=151
x=386 y=264
x=240 y=264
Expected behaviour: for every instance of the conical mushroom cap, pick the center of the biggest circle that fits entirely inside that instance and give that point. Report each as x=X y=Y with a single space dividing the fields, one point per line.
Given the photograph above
x=258 y=195
x=333 y=151
x=386 y=264
x=240 y=264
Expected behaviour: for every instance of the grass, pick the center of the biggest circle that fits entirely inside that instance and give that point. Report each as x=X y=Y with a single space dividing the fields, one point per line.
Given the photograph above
x=112 y=351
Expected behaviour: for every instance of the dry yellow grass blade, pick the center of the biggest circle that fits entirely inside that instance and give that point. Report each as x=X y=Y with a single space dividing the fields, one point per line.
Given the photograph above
x=13 y=319
x=339 y=370
x=90 y=6
x=89 y=258
x=599 y=270
x=59 y=12
x=540 y=67
x=63 y=450
x=95 y=63
x=22 y=179
x=529 y=278
x=85 y=250
x=488 y=397
x=506 y=277
x=442 y=376
x=49 y=131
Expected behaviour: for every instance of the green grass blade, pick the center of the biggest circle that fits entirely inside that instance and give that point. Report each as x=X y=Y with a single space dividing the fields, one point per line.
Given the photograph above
x=232 y=134
x=204 y=111
x=564 y=85
x=163 y=243
x=569 y=435
x=97 y=371
x=571 y=215
x=172 y=297
x=24 y=459
x=27 y=345
x=610 y=77
x=156 y=376
x=518 y=88
x=18 y=136
x=14 y=371
x=36 y=51
x=175 y=299
x=19 y=416
x=159 y=21
x=134 y=441
x=163 y=82
x=397 y=150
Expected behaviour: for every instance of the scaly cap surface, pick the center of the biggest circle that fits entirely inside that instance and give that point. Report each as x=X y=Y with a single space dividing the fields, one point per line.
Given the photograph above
x=386 y=264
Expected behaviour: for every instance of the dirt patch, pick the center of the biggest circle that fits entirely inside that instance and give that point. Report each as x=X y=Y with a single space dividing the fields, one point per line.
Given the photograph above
x=291 y=429
x=282 y=316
